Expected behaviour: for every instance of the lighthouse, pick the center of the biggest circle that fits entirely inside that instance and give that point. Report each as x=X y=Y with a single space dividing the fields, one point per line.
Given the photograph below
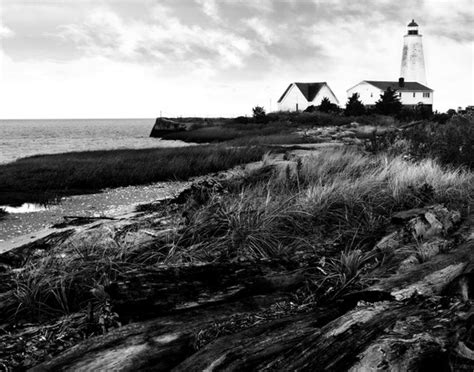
x=413 y=61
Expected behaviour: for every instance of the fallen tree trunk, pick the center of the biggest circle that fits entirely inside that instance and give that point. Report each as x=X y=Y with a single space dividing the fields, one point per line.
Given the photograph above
x=142 y=293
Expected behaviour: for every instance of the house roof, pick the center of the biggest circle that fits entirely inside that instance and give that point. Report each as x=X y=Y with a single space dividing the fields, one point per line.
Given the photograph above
x=309 y=90
x=408 y=86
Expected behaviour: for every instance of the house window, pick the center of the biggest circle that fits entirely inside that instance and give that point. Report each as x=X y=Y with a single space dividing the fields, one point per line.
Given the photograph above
x=400 y=94
x=414 y=94
x=426 y=95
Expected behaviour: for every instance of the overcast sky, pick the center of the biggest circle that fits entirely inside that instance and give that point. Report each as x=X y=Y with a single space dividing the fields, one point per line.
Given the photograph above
x=135 y=58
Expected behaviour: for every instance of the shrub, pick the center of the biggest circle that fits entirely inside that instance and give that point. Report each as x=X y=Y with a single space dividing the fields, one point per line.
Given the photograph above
x=389 y=103
x=451 y=143
x=419 y=112
x=241 y=120
x=354 y=107
x=327 y=106
x=259 y=114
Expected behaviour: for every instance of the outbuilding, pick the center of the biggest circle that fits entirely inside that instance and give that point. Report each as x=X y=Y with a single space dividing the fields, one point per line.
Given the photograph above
x=298 y=96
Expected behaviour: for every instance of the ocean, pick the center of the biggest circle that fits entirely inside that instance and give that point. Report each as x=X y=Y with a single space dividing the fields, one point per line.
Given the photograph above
x=21 y=138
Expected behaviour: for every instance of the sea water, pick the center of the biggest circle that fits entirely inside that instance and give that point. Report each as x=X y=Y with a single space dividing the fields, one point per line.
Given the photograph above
x=21 y=138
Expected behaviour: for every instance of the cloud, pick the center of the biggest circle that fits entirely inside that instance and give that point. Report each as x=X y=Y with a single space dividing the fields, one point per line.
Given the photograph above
x=210 y=8
x=5 y=32
x=164 y=40
x=265 y=33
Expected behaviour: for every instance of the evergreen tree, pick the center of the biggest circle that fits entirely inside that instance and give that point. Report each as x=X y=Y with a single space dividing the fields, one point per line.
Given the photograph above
x=326 y=105
x=259 y=114
x=354 y=107
x=389 y=103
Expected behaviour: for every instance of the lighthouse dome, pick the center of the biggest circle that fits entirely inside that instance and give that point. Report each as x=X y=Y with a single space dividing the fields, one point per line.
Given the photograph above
x=412 y=23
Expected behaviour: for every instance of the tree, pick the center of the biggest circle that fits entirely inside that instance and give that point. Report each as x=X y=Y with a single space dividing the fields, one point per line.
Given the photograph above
x=259 y=114
x=326 y=105
x=354 y=107
x=451 y=112
x=389 y=103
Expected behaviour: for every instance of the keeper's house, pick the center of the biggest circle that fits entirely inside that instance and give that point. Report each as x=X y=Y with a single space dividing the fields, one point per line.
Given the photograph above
x=411 y=93
x=298 y=96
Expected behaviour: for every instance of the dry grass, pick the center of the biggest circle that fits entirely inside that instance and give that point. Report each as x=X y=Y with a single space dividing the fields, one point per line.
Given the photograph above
x=344 y=197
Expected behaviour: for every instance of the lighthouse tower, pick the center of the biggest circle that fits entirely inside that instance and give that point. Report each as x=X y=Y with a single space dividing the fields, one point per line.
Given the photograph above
x=413 y=61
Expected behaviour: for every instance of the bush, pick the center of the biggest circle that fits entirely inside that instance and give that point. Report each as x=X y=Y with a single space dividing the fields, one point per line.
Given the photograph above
x=327 y=106
x=420 y=112
x=451 y=143
x=241 y=120
x=259 y=114
x=389 y=103
x=354 y=106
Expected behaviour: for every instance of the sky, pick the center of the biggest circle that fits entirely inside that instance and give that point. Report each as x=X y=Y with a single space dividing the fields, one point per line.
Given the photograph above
x=146 y=58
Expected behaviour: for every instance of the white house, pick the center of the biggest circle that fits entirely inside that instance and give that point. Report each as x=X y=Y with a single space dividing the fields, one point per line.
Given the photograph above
x=298 y=96
x=411 y=93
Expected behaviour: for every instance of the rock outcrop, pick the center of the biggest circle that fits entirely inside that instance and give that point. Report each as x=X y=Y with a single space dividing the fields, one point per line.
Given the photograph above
x=165 y=126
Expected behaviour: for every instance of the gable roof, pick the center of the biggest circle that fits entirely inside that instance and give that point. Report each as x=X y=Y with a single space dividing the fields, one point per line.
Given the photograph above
x=309 y=90
x=408 y=86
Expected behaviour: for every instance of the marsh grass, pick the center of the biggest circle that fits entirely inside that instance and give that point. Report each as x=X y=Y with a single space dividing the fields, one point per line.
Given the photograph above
x=44 y=178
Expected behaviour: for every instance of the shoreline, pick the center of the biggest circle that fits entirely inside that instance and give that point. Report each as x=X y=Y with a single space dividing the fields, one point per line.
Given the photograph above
x=43 y=179
x=111 y=203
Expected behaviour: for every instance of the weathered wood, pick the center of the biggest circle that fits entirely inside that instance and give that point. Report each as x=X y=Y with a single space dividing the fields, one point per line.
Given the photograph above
x=431 y=277
x=166 y=289
x=401 y=336
x=163 y=343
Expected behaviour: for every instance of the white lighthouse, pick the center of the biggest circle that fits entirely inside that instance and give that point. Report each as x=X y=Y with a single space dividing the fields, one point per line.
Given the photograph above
x=413 y=61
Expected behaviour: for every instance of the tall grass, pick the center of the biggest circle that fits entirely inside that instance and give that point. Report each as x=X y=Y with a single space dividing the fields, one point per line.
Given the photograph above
x=340 y=198
x=44 y=177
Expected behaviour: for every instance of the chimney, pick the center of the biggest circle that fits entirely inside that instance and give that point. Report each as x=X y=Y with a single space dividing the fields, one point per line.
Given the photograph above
x=401 y=82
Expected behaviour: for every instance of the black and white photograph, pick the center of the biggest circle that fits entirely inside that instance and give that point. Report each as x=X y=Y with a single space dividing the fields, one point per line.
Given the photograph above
x=237 y=185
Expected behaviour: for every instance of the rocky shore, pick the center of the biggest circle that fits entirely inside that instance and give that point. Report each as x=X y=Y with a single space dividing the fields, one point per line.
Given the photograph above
x=408 y=308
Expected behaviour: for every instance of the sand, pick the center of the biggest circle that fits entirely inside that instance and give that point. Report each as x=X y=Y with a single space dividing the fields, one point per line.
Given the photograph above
x=34 y=222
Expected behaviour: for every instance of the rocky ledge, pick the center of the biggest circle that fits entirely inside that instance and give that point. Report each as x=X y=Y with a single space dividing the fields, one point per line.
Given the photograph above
x=414 y=313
